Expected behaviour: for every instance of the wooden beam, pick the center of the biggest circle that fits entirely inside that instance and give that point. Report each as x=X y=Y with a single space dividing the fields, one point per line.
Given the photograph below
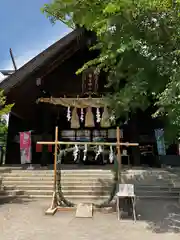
x=56 y=63
x=127 y=144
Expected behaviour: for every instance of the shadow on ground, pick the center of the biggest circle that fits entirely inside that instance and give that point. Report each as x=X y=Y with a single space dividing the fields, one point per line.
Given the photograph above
x=161 y=216
x=14 y=197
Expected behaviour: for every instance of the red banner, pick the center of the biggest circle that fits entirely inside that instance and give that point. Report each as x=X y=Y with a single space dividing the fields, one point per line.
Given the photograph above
x=25 y=147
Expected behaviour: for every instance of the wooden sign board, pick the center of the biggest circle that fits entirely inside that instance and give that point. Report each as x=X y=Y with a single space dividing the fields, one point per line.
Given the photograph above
x=126 y=190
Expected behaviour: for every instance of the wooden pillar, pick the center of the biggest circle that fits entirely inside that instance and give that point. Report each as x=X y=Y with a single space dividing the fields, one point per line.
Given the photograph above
x=44 y=130
x=135 y=138
x=119 y=160
x=12 y=148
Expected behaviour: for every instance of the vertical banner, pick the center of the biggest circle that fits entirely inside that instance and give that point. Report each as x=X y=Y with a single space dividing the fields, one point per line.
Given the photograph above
x=159 y=134
x=25 y=147
x=179 y=149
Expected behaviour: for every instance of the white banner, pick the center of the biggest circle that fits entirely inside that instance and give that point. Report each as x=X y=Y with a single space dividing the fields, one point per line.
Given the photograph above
x=159 y=134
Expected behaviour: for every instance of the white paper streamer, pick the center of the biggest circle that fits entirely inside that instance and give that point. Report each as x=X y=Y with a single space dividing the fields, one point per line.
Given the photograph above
x=82 y=115
x=111 y=155
x=98 y=115
x=85 y=152
x=100 y=150
x=75 y=152
x=68 y=114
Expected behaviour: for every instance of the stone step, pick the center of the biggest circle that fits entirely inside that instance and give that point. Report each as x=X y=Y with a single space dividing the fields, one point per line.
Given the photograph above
x=83 y=183
x=88 y=180
x=108 y=176
x=88 y=186
x=90 y=173
x=83 y=171
x=63 y=181
x=12 y=192
x=91 y=199
x=67 y=179
x=63 y=175
x=81 y=192
x=160 y=193
x=66 y=192
x=6 y=198
x=66 y=188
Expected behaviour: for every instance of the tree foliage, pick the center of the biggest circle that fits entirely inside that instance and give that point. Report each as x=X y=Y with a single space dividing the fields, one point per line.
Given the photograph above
x=139 y=43
x=4 y=110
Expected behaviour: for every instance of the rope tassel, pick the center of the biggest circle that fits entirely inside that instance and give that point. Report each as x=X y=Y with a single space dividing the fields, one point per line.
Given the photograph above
x=75 y=119
x=111 y=155
x=89 y=119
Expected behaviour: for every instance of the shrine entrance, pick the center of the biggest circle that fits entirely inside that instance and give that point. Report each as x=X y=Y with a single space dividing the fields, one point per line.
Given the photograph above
x=58 y=199
x=88 y=120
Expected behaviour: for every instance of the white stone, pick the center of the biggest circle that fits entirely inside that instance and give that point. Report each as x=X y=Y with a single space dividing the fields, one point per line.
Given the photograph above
x=84 y=210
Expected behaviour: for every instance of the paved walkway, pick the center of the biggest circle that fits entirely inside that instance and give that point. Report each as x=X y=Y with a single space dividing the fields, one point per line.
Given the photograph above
x=26 y=221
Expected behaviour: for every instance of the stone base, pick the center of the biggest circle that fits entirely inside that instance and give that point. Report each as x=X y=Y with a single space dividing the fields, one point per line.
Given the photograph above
x=51 y=211
x=84 y=210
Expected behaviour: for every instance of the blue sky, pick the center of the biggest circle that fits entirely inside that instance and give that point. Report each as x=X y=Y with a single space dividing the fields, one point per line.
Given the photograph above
x=26 y=30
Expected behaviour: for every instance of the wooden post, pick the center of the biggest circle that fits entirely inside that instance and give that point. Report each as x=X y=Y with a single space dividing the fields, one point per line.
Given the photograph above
x=55 y=157
x=118 y=136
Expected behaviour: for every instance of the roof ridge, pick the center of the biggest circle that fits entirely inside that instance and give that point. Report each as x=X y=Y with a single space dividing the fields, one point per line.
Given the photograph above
x=38 y=60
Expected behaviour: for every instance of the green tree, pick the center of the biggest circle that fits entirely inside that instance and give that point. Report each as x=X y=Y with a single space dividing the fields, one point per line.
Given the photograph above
x=139 y=45
x=4 y=110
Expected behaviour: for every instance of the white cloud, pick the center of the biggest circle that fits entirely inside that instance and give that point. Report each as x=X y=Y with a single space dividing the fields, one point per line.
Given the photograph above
x=2 y=77
x=28 y=55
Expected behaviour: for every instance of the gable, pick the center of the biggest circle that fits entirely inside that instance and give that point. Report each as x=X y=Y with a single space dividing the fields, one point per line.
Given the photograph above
x=41 y=60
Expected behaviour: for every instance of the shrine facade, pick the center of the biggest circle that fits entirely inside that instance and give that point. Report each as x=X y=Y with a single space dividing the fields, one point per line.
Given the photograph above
x=47 y=92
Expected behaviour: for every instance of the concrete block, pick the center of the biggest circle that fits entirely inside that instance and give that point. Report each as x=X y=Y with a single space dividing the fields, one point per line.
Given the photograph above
x=84 y=210
x=51 y=211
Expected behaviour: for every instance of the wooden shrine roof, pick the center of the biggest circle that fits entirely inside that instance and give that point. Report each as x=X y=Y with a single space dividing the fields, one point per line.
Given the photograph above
x=40 y=60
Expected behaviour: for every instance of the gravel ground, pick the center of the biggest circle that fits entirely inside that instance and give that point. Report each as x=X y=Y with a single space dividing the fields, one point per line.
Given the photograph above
x=27 y=221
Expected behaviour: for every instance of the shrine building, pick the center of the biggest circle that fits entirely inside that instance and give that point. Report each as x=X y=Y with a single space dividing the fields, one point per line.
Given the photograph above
x=47 y=92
